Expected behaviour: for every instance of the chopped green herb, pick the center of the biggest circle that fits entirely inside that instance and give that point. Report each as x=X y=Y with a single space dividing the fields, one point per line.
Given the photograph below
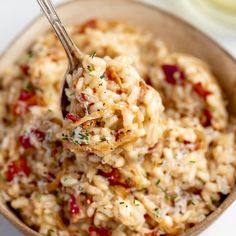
x=122 y=203
x=39 y=89
x=156 y=212
x=65 y=137
x=191 y=202
x=75 y=142
x=29 y=87
x=136 y=203
x=72 y=94
x=30 y=55
x=102 y=76
x=158 y=182
x=215 y=201
x=192 y=162
x=167 y=197
x=58 y=198
x=213 y=109
x=90 y=68
x=65 y=178
x=93 y=54
x=49 y=110
x=78 y=138
x=84 y=137
x=103 y=139
x=51 y=231
x=173 y=196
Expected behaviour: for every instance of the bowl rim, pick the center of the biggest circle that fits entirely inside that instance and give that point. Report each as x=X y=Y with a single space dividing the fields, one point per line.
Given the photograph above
x=231 y=197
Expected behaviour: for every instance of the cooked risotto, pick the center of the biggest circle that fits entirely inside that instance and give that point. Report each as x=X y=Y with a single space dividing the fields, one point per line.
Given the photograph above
x=121 y=163
x=110 y=107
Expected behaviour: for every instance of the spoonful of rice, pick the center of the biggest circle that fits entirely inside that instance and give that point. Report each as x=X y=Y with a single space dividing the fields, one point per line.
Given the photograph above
x=105 y=104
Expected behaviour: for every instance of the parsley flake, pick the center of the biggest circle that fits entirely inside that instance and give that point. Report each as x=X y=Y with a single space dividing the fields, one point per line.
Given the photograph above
x=103 y=139
x=84 y=137
x=136 y=203
x=72 y=94
x=29 y=87
x=158 y=182
x=93 y=55
x=215 y=201
x=102 y=76
x=167 y=197
x=65 y=137
x=51 y=231
x=90 y=68
x=79 y=137
x=173 y=197
x=156 y=212
x=191 y=202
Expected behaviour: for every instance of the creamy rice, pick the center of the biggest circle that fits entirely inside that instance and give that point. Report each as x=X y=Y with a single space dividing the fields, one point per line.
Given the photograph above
x=110 y=107
x=161 y=184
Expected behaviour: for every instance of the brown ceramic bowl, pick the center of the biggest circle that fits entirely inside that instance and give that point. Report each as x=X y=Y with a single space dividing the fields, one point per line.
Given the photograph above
x=178 y=35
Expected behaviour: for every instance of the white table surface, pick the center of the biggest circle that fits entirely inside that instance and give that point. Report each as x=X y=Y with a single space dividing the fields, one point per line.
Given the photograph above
x=15 y=15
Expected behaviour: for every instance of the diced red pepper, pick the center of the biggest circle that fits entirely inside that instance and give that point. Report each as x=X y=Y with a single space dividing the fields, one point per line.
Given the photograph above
x=198 y=88
x=74 y=208
x=119 y=91
x=99 y=231
x=24 y=69
x=83 y=97
x=92 y=24
x=25 y=100
x=207 y=118
x=16 y=167
x=25 y=95
x=23 y=166
x=114 y=178
x=173 y=74
x=24 y=139
x=72 y=117
x=11 y=171
x=39 y=134
x=187 y=142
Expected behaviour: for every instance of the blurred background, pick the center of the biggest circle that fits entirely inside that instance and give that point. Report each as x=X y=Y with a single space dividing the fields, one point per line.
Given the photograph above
x=217 y=18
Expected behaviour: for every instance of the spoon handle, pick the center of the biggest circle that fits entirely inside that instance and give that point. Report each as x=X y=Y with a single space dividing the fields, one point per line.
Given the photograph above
x=72 y=51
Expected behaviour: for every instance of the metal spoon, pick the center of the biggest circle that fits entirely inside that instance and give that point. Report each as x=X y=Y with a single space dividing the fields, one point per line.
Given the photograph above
x=73 y=53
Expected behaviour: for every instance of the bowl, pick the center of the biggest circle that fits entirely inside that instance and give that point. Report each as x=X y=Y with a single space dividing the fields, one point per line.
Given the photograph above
x=178 y=35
